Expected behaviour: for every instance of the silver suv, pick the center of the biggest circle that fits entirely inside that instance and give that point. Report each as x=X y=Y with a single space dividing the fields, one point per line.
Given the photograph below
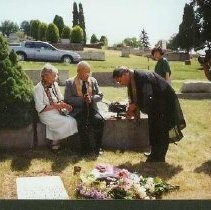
x=43 y=51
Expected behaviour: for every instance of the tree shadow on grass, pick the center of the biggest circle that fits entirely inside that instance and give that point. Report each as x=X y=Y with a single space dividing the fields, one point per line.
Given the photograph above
x=162 y=170
x=21 y=162
x=60 y=160
x=3 y=157
x=204 y=168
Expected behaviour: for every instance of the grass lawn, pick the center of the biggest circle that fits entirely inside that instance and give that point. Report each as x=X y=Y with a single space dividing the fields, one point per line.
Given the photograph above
x=188 y=163
x=180 y=71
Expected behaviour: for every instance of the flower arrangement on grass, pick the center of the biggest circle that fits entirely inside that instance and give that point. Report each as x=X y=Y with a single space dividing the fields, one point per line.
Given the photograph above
x=109 y=182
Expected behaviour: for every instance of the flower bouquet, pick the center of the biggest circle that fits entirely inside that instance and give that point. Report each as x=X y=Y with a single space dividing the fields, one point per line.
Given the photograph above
x=109 y=182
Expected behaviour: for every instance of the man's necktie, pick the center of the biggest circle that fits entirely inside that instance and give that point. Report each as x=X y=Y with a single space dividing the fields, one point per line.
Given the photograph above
x=84 y=89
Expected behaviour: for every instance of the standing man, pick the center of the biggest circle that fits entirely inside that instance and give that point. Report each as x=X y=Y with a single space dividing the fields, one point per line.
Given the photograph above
x=83 y=93
x=152 y=95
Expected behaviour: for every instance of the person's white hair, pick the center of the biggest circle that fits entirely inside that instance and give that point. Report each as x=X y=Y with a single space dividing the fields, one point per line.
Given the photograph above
x=48 y=68
x=83 y=65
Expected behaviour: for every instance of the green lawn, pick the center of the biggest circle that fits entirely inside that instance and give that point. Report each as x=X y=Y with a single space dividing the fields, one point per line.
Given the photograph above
x=180 y=71
x=188 y=163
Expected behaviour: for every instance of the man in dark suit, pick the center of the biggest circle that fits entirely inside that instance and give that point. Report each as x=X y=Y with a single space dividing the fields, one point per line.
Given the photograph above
x=151 y=94
x=83 y=93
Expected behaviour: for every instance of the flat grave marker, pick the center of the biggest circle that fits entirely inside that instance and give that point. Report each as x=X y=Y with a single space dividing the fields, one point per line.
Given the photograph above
x=44 y=187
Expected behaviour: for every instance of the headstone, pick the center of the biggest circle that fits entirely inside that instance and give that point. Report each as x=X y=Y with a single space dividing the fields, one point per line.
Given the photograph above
x=65 y=41
x=196 y=87
x=177 y=56
x=34 y=75
x=13 y=38
x=124 y=133
x=45 y=187
x=125 y=51
x=187 y=62
x=92 y=55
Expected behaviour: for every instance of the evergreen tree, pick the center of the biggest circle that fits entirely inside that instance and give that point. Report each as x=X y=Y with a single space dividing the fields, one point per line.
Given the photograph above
x=16 y=98
x=173 y=42
x=13 y=58
x=203 y=17
x=104 y=40
x=52 y=33
x=82 y=21
x=187 y=29
x=144 y=39
x=132 y=42
x=34 y=27
x=59 y=22
x=94 y=39
x=42 y=31
x=66 y=32
x=25 y=27
x=7 y=27
x=77 y=35
x=75 y=15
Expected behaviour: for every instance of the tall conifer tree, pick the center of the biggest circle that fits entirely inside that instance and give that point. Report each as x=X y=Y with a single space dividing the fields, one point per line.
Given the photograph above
x=187 y=29
x=75 y=15
x=82 y=21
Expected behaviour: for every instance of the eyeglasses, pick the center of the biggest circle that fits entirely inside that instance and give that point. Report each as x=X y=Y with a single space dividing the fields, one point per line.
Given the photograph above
x=118 y=80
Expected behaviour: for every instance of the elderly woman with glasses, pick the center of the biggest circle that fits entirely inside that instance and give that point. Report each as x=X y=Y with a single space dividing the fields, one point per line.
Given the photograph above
x=52 y=111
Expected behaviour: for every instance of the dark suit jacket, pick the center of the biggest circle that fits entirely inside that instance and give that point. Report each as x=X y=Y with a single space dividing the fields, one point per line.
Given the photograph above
x=70 y=96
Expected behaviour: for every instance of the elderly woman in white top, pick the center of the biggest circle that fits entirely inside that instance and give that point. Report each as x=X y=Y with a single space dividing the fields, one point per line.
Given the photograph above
x=49 y=105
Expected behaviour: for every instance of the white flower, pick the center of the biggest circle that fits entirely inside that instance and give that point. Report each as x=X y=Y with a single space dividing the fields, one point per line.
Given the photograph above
x=150 y=180
x=150 y=185
x=135 y=178
x=140 y=190
x=141 y=178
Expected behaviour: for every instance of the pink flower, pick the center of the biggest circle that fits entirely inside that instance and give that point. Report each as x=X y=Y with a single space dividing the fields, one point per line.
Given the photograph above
x=123 y=173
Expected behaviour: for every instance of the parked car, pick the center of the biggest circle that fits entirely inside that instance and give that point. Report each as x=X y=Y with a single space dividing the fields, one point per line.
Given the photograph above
x=43 y=51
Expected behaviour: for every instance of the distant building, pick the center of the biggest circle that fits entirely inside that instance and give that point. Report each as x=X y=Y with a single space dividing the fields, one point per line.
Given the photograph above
x=13 y=38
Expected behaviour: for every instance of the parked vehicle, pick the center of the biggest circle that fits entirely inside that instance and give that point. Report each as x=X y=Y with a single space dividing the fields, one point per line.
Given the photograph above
x=43 y=51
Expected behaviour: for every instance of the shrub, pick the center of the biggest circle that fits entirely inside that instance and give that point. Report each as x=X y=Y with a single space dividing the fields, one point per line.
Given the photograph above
x=16 y=98
x=42 y=31
x=52 y=33
x=34 y=26
x=77 y=35
x=66 y=32
x=59 y=22
x=94 y=39
x=104 y=40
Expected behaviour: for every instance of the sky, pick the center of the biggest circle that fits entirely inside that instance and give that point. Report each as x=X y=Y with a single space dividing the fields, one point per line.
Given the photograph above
x=115 y=19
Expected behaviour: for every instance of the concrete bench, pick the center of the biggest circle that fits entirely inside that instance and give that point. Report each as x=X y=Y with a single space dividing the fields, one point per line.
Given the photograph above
x=118 y=134
x=12 y=139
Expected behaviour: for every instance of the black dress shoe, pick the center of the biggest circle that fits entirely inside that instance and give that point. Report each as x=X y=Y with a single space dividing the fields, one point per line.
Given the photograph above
x=151 y=159
x=99 y=151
